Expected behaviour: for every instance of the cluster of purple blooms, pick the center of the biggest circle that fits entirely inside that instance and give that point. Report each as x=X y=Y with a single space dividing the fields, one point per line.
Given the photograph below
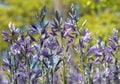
x=44 y=54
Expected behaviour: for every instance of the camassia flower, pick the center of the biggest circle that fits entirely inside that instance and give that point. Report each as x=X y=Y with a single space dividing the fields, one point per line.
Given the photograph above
x=12 y=35
x=61 y=52
x=86 y=35
x=68 y=29
x=85 y=38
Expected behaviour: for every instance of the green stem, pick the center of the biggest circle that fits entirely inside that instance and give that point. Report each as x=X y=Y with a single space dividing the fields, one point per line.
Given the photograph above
x=80 y=54
x=52 y=70
x=52 y=73
x=64 y=72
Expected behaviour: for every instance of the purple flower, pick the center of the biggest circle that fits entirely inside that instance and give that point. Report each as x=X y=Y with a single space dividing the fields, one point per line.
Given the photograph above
x=1 y=79
x=16 y=49
x=30 y=73
x=86 y=38
x=112 y=45
x=10 y=36
x=43 y=31
x=45 y=53
x=46 y=35
x=97 y=59
x=114 y=39
x=21 y=78
x=70 y=80
x=51 y=43
x=56 y=79
x=21 y=74
x=22 y=68
x=6 y=62
x=12 y=28
x=108 y=58
x=57 y=22
x=37 y=28
x=84 y=32
x=68 y=27
x=108 y=49
x=38 y=73
x=92 y=49
x=53 y=32
x=81 y=43
x=95 y=79
x=95 y=50
x=86 y=35
x=35 y=56
x=59 y=51
x=33 y=28
x=75 y=77
x=69 y=41
x=5 y=39
x=78 y=78
x=69 y=35
x=20 y=40
x=4 y=33
x=35 y=79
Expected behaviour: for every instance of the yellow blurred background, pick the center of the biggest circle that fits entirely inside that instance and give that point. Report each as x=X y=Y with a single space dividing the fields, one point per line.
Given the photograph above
x=101 y=15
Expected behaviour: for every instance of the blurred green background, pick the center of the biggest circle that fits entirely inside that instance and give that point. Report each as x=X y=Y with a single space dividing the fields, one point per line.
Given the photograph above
x=101 y=15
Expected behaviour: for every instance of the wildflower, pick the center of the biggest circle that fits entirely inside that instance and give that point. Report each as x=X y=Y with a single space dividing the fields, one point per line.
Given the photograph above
x=4 y=33
x=86 y=35
x=33 y=28
x=56 y=79
x=108 y=58
x=95 y=79
x=45 y=53
x=6 y=62
x=57 y=22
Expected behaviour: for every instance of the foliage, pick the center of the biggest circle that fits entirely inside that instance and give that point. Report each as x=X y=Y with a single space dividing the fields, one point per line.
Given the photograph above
x=49 y=59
